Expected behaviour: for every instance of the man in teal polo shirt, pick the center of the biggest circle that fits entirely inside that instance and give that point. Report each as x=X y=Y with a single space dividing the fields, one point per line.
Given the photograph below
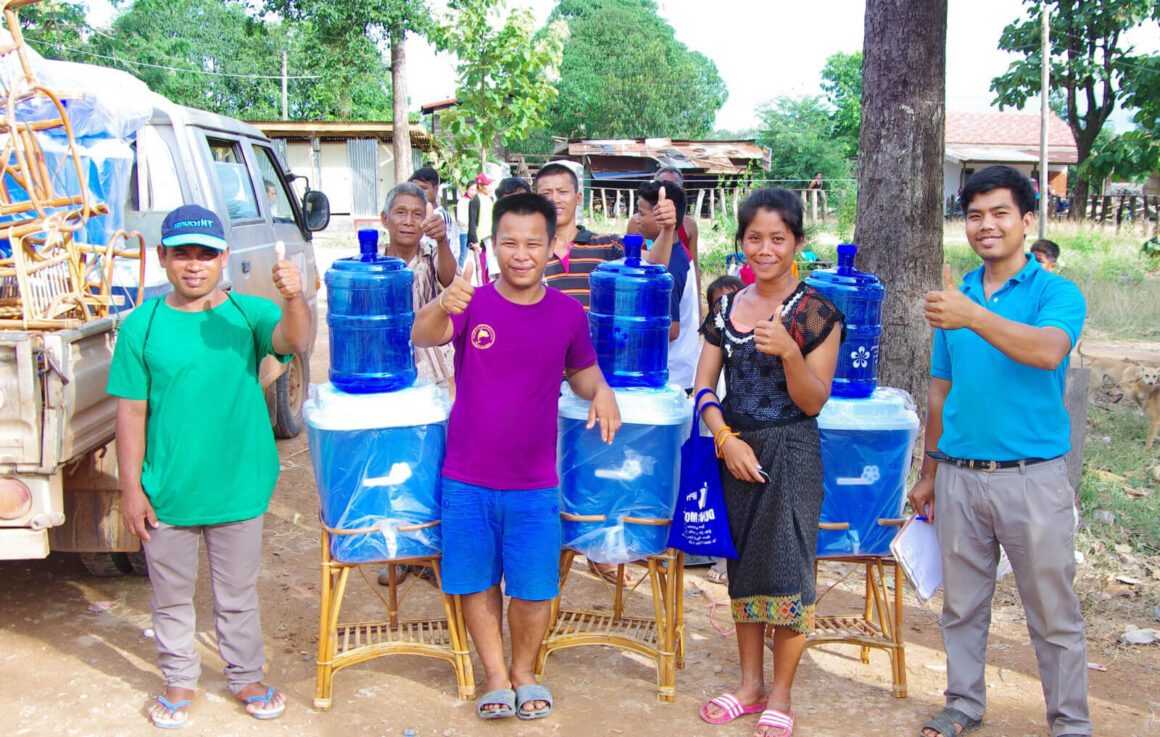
x=994 y=474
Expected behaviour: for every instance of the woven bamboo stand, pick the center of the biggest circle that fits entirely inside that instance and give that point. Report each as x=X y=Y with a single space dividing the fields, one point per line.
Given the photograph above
x=660 y=637
x=346 y=643
x=879 y=625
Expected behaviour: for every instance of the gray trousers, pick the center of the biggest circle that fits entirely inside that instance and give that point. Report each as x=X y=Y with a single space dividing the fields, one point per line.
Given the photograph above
x=234 y=551
x=1029 y=512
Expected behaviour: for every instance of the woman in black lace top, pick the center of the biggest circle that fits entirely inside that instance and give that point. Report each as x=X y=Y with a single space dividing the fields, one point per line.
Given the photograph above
x=777 y=343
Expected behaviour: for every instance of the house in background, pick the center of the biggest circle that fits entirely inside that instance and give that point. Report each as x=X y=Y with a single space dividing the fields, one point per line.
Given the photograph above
x=351 y=162
x=628 y=162
x=978 y=140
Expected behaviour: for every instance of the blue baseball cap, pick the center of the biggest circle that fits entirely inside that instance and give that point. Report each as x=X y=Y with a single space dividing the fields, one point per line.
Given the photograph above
x=193 y=225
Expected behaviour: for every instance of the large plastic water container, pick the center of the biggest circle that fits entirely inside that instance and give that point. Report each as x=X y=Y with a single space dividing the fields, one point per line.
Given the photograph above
x=629 y=317
x=867 y=446
x=859 y=296
x=377 y=461
x=370 y=312
x=617 y=500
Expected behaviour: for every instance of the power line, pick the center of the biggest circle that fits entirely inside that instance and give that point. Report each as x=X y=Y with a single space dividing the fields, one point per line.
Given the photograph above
x=173 y=69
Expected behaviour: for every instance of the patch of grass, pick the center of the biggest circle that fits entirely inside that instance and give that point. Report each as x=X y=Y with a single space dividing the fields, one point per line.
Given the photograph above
x=1114 y=461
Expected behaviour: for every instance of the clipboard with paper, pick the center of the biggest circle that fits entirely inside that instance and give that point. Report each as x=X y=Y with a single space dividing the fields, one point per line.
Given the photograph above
x=916 y=550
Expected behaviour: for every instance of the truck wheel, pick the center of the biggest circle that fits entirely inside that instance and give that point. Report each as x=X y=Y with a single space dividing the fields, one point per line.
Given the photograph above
x=291 y=394
x=107 y=564
x=138 y=563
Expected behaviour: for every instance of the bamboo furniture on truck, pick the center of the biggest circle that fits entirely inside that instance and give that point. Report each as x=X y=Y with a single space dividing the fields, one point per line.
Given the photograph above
x=341 y=644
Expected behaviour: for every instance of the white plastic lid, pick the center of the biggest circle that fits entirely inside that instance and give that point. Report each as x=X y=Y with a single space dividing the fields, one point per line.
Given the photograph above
x=423 y=403
x=668 y=405
x=885 y=409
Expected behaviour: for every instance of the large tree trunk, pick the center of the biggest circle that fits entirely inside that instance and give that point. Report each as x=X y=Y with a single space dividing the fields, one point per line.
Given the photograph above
x=400 y=124
x=900 y=197
x=1084 y=142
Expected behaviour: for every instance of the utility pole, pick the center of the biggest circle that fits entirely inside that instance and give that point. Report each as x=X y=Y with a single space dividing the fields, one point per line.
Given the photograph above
x=1044 y=115
x=285 y=95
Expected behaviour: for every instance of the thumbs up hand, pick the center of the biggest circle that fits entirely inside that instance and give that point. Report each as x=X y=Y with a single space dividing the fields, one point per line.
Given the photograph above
x=665 y=212
x=949 y=308
x=771 y=338
x=285 y=274
x=455 y=298
x=433 y=226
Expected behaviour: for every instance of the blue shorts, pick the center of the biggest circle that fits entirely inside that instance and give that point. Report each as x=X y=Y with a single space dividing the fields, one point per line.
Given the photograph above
x=489 y=535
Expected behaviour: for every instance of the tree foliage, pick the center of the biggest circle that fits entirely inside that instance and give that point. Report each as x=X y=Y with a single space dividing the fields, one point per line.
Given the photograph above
x=625 y=75
x=842 y=85
x=214 y=55
x=55 y=28
x=799 y=132
x=1135 y=154
x=1089 y=61
x=505 y=78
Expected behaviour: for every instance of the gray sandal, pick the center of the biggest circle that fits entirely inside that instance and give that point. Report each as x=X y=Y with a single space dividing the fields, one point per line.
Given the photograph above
x=505 y=698
x=947 y=722
x=533 y=692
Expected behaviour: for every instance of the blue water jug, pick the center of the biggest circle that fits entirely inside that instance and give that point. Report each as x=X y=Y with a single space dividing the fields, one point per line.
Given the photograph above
x=629 y=318
x=370 y=313
x=866 y=451
x=859 y=296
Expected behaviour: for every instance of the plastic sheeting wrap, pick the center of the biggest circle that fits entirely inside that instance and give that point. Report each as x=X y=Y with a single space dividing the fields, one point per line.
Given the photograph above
x=622 y=486
x=377 y=461
x=866 y=452
x=106 y=108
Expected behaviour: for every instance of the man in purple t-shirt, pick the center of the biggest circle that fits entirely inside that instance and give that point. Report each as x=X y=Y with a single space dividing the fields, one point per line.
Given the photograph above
x=514 y=339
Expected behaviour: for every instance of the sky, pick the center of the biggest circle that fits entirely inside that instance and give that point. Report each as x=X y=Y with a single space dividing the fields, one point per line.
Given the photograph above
x=768 y=48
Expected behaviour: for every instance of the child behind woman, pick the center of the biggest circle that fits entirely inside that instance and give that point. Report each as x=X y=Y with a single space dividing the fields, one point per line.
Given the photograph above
x=721 y=286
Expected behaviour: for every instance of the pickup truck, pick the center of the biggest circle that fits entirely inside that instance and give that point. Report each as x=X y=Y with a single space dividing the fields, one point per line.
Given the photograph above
x=58 y=474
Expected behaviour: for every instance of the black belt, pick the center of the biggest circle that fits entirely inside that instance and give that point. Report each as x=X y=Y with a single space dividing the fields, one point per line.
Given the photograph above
x=988 y=466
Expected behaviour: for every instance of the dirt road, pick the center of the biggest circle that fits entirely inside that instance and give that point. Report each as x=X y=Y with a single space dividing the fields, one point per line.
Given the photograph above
x=75 y=659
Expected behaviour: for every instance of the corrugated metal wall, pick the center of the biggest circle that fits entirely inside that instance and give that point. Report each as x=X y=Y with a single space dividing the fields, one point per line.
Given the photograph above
x=364 y=171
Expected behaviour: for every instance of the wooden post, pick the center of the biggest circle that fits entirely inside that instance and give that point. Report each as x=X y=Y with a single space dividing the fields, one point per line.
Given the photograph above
x=700 y=204
x=813 y=205
x=631 y=204
x=617 y=215
x=1104 y=210
x=1075 y=399
x=735 y=203
x=1132 y=212
x=1094 y=208
x=604 y=203
x=825 y=203
x=712 y=204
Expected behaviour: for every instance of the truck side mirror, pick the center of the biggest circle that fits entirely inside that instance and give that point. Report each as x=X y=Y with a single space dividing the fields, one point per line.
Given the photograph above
x=316 y=208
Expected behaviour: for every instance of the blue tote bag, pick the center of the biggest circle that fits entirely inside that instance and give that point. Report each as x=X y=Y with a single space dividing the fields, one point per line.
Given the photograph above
x=700 y=524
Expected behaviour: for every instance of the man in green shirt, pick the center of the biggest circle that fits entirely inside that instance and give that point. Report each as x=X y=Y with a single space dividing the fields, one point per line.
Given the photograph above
x=196 y=453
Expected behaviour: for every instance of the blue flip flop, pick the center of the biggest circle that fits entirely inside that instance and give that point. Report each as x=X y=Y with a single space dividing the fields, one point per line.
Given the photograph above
x=176 y=719
x=533 y=692
x=505 y=698
x=265 y=700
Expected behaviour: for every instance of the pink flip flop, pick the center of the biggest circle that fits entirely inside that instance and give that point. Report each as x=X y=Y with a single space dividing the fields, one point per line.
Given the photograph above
x=777 y=720
x=731 y=709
